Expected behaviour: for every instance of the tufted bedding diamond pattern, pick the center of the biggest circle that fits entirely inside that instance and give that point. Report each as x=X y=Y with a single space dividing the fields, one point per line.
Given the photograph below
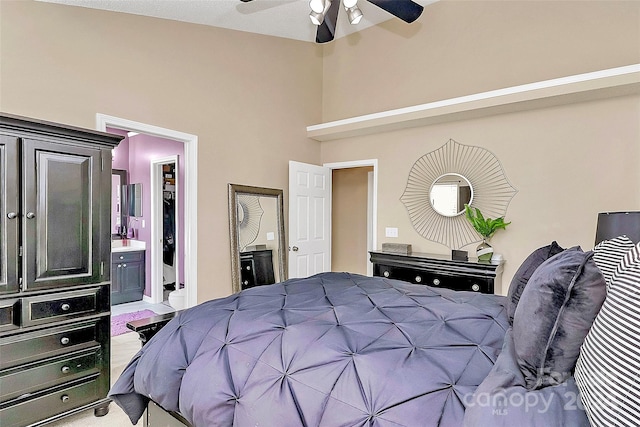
x=335 y=349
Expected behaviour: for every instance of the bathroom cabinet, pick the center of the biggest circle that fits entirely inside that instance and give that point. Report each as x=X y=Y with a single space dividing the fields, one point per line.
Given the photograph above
x=55 y=244
x=127 y=276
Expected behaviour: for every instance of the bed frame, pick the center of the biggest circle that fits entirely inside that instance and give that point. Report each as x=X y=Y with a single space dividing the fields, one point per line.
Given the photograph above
x=155 y=415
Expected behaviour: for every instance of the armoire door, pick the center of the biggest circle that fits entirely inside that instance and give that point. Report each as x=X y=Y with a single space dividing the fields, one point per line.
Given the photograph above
x=9 y=215
x=61 y=215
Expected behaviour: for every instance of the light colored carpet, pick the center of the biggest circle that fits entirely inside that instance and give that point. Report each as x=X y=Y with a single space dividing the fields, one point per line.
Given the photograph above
x=123 y=348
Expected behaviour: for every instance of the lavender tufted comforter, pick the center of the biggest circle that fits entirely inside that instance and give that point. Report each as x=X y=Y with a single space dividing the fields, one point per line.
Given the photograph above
x=335 y=349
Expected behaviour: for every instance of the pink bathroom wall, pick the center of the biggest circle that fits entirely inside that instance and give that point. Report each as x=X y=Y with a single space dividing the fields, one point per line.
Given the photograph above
x=141 y=150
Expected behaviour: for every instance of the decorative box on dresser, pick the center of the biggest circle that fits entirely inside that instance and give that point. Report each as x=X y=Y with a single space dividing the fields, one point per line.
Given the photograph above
x=55 y=243
x=439 y=271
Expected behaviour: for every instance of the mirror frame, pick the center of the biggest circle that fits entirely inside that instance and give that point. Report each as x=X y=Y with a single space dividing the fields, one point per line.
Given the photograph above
x=492 y=192
x=123 y=181
x=234 y=190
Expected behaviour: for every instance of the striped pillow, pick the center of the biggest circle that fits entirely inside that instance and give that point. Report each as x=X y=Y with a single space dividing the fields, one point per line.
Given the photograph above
x=608 y=253
x=608 y=369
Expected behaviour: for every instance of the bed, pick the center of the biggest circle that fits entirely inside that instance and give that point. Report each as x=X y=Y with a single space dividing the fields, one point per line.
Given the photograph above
x=340 y=349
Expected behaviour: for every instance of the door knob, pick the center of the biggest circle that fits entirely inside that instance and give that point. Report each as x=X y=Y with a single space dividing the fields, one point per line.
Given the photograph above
x=294 y=249
x=12 y=215
x=31 y=215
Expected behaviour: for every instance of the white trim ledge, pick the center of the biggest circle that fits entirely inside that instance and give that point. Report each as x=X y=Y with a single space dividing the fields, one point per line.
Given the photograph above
x=608 y=83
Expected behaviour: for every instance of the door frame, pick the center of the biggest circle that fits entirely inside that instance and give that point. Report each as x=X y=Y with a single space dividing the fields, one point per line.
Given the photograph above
x=157 y=288
x=372 y=205
x=190 y=194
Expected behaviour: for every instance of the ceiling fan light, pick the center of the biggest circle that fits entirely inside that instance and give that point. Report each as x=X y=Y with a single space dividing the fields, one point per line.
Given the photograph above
x=317 y=5
x=316 y=18
x=349 y=3
x=354 y=14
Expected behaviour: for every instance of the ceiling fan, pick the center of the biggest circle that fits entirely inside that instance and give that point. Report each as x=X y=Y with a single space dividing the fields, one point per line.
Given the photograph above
x=324 y=13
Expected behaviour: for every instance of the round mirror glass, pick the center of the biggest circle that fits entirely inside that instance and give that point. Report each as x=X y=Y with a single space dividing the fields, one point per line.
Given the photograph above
x=449 y=193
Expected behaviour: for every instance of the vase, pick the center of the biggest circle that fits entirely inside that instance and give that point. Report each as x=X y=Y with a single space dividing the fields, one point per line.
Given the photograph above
x=484 y=251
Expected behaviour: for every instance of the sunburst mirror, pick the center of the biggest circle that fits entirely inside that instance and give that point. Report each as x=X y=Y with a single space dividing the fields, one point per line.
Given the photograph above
x=249 y=214
x=441 y=182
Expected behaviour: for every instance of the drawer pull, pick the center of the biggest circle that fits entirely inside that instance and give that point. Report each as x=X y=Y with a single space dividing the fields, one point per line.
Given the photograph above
x=65 y=398
x=65 y=307
x=121 y=257
x=418 y=279
x=65 y=340
x=65 y=369
x=436 y=282
x=248 y=267
x=475 y=287
x=246 y=282
x=386 y=274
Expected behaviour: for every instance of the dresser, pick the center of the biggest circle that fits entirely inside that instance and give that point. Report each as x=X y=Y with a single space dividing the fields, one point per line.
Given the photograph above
x=55 y=244
x=439 y=271
x=256 y=268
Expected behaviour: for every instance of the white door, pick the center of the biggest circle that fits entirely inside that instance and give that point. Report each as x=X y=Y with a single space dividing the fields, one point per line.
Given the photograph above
x=309 y=219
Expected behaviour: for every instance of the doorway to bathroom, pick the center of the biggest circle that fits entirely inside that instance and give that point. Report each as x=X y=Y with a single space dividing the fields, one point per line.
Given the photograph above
x=186 y=196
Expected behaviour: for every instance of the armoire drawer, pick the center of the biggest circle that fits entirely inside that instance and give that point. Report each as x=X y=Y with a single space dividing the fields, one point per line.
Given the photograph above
x=64 y=305
x=9 y=314
x=35 y=377
x=38 y=345
x=51 y=404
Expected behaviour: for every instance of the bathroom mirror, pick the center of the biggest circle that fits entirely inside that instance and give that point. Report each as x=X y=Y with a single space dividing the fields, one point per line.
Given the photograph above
x=118 y=180
x=132 y=197
x=449 y=193
x=256 y=227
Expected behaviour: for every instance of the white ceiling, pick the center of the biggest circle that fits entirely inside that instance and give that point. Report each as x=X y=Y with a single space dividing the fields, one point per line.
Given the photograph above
x=281 y=18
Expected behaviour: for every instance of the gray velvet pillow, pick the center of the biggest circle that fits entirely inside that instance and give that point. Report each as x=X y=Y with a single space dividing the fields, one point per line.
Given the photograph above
x=524 y=272
x=555 y=312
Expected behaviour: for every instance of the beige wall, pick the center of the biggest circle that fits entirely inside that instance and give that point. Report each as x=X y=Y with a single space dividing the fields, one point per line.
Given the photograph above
x=459 y=48
x=349 y=219
x=568 y=163
x=250 y=97
x=247 y=97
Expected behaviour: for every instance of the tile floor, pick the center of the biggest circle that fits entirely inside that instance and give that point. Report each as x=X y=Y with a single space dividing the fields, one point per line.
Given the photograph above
x=123 y=348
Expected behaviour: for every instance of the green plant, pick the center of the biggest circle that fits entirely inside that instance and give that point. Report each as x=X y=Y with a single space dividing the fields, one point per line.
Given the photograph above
x=486 y=227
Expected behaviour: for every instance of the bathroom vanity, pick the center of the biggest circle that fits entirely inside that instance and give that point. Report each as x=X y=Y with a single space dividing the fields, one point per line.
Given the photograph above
x=127 y=271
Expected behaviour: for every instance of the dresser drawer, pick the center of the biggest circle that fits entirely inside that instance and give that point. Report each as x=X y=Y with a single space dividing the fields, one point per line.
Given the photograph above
x=9 y=314
x=64 y=305
x=23 y=380
x=48 y=405
x=436 y=279
x=38 y=345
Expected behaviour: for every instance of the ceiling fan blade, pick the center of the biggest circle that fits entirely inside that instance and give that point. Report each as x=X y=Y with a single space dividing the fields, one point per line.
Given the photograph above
x=406 y=10
x=327 y=30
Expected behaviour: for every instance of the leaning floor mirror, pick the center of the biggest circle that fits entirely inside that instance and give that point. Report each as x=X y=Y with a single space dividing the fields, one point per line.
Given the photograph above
x=256 y=227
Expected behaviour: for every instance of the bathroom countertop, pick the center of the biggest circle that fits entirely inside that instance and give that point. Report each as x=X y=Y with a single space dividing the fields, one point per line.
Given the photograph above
x=126 y=245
